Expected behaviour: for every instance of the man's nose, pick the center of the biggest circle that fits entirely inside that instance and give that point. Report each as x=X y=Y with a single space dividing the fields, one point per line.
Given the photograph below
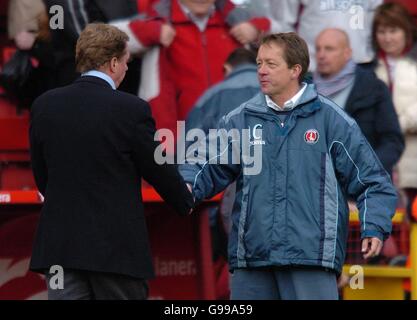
x=319 y=54
x=262 y=69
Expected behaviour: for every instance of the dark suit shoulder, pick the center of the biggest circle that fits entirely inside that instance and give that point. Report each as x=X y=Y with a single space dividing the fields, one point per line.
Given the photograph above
x=47 y=98
x=136 y=104
x=91 y=92
x=122 y=100
x=131 y=106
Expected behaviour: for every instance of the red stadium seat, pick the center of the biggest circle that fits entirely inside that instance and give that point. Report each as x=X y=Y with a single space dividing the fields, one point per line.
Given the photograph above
x=14 y=141
x=15 y=172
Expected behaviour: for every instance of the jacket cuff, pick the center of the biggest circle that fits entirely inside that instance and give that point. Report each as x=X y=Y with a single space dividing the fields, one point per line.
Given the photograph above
x=187 y=174
x=372 y=234
x=262 y=24
x=148 y=32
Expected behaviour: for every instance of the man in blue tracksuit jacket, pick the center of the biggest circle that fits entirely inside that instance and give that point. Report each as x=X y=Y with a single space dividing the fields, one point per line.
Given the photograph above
x=290 y=218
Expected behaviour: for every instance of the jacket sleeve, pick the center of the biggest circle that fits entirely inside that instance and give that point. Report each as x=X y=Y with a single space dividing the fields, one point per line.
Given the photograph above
x=209 y=173
x=234 y=15
x=143 y=33
x=390 y=138
x=163 y=177
x=261 y=23
x=362 y=177
x=38 y=162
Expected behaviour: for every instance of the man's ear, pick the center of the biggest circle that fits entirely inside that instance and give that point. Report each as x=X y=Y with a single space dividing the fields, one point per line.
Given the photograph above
x=348 y=54
x=227 y=69
x=296 y=71
x=113 y=64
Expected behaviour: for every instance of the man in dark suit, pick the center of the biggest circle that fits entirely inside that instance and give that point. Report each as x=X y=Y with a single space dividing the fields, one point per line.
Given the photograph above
x=90 y=147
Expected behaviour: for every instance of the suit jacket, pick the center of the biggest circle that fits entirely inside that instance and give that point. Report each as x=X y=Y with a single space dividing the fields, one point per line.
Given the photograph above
x=90 y=147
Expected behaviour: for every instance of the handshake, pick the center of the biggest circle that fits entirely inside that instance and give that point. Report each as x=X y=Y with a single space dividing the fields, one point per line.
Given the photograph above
x=173 y=188
x=179 y=196
x=183 y=200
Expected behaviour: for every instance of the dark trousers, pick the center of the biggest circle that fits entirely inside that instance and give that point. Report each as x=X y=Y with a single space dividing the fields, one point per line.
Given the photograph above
x=283 y=284
x=90 y=285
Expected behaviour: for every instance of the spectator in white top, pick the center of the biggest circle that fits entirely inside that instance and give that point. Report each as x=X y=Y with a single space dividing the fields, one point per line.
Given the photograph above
x=310 y=17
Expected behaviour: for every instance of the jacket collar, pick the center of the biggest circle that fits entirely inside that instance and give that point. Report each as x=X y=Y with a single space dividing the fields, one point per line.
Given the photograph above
x=101 y=75
x=247 y=67
x=94 y=80
x=308 y=103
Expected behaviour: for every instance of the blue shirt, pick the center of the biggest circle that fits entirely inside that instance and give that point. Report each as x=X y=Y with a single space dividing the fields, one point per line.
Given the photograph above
x=101 y=75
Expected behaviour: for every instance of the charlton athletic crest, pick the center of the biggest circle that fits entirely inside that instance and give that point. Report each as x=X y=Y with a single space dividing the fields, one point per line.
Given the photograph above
x=311 y=136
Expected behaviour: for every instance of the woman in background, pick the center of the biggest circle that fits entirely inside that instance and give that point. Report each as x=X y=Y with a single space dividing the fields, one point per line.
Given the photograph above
x=394 y=36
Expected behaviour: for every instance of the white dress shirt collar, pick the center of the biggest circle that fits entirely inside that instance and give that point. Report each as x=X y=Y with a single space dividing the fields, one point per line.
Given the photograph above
x=101 y=75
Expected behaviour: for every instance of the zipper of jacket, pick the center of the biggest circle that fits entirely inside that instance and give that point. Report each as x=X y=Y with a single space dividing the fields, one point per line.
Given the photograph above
x=283 y=123
x=206 y=60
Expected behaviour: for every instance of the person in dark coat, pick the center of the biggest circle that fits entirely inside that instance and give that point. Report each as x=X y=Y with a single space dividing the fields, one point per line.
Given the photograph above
x=90 y=147
x=76 y=15
x=360 y=93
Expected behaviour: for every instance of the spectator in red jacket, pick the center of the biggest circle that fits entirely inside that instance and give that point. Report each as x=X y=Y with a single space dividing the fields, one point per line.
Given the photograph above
x=189 y=41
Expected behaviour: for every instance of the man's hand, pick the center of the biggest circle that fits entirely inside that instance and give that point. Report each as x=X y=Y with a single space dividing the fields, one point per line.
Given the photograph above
x=244 y=32
x=343 y=280
x=371 y=247
x=352 y=206
x=167 y=35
